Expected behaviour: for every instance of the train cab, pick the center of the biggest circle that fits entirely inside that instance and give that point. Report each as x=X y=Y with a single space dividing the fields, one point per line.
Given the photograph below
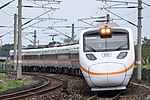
x=107 y=57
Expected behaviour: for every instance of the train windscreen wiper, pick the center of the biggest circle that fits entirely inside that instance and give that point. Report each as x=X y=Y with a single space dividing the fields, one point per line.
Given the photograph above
x=120 y=47
x=90 y=48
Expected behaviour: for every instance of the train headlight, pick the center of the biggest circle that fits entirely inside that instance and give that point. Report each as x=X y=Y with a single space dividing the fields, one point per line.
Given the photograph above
x=108 y=30
x=91 y=56
x=105 y=32
x=122 y=55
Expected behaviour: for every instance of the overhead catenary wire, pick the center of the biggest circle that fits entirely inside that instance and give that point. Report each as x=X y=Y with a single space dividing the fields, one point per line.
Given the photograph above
x=37 y=17
x=118 y=7
x=47 y=18
x=121 y=18
x=59 y=27
x=61 y=33
x=1 y=26
x=125 y=2
x=6 y=4
x=86 y=22
x=38 y=7
x=3 y=6
x=33 y=19
x=146 y=4
x=47 y=13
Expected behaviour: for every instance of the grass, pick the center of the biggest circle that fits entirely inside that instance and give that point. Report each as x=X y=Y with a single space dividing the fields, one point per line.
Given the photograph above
x=2 y=75
x=12 y=84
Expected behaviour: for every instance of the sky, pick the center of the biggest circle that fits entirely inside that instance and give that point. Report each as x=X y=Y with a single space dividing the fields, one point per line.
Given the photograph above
x=72 y=10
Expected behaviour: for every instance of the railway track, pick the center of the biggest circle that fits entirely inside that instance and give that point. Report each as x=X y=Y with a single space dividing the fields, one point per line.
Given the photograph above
x=46 y=87
x=97 y=97
x=74 y=86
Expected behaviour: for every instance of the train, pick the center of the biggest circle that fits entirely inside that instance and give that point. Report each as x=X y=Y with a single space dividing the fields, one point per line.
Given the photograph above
x=104 y=56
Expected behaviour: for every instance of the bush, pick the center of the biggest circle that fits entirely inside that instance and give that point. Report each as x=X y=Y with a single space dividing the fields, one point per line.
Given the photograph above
x=145 y=74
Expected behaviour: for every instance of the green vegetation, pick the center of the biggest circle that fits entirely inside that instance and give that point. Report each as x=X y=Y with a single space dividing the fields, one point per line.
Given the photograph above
x=12 y=84
x=6 y=85
x=145 y=51
x=6 y=67
x=4 y=50
x=145 y=74
x=145 y=61
x=2 y=75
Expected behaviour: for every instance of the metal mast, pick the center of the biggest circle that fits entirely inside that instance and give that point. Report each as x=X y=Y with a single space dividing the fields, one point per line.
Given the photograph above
x=72 y=35
x=34 y=43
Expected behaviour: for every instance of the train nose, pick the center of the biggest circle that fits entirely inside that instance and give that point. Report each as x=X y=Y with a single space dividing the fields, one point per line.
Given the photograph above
x=107 y=74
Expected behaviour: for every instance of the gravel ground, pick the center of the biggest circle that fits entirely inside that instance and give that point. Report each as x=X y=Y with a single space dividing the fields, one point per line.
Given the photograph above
x=33 y=83
x=79 y=90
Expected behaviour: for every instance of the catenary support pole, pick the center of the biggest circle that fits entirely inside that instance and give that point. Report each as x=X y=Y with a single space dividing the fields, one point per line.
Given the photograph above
x=34 y=36
x=15 y=42
x=139 y=46
x=19 y=69
x=72 y=36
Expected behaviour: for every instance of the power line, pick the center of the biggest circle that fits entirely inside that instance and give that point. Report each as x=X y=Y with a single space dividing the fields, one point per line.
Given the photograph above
x=39 y=7
x=59 y=27
x=125 y=2
x=118 y=7
x=146 y=4
x=31 y=20
x=6 y=13
x=46 y=18
x=86 y=22
x=36 y=17
x=122 y=18
x=31 y=24
x=1 y=26
x=44 y=7
x=61 y=33
x=6 y=4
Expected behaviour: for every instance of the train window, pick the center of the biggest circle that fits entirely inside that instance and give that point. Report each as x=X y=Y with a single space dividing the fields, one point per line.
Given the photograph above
x=74 y=56
x=95 y=43
x=25 y=57
x=48 y=56
x=62 y=56
x=31 y=57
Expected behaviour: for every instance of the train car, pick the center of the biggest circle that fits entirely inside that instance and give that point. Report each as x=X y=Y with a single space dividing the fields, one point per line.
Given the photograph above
x=107 y=57
x=63 y=59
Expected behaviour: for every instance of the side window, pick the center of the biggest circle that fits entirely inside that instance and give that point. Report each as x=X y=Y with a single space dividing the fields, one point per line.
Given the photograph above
x=62 y=56
x=74 y=56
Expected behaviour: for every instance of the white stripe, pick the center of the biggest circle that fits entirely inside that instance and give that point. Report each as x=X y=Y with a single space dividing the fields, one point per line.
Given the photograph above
x=138 y=62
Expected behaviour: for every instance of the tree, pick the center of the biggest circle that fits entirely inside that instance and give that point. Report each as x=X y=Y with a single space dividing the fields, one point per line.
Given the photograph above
x=4 y=50
x=145 y=50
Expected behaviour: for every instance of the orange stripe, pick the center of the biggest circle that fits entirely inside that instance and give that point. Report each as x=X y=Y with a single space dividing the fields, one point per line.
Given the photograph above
x=52 y=60
x=111 y=73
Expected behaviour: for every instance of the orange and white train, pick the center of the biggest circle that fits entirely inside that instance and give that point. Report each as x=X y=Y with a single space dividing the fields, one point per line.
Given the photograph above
x=105 y=55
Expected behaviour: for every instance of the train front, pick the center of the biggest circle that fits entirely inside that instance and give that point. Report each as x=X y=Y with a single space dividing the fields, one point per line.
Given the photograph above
x=107 y=57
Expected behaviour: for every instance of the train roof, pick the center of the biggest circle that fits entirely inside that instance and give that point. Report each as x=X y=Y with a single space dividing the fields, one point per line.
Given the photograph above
x=97 y=28
x=52 y=48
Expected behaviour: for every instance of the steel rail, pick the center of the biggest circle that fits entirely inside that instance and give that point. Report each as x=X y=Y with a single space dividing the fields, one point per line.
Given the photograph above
x=33 y=91
x=96 y=97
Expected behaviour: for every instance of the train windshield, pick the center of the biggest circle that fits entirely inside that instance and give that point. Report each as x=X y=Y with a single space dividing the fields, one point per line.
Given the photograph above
x=94 y=43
